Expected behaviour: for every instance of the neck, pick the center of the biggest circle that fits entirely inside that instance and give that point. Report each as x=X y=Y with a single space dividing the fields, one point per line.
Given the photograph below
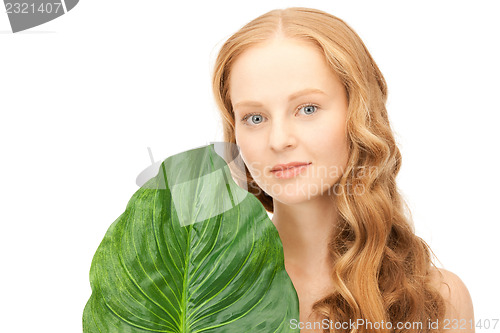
x=305 y=231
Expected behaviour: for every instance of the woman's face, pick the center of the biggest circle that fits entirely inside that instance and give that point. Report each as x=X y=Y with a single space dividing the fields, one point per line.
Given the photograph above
x=289 y=107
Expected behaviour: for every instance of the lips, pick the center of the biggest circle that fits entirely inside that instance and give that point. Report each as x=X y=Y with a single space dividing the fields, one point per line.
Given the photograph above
x=281 y=167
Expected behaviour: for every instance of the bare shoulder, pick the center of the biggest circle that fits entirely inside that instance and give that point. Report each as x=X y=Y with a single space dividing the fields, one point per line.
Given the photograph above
x=458 y=301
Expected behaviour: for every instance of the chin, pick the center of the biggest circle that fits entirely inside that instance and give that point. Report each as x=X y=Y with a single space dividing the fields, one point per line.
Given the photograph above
x=290 y=200
x=290 y=194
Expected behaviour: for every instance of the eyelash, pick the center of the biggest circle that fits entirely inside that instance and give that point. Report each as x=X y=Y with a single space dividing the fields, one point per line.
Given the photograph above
x=244 y=119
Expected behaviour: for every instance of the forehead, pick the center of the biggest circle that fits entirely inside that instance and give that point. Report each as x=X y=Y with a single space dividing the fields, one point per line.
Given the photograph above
x=277 y=68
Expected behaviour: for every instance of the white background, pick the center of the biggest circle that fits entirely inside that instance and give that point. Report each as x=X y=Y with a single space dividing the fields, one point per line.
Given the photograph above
x=83 y=96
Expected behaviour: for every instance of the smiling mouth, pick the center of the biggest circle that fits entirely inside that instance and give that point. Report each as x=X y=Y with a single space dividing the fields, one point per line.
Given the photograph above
x=289 y=172
x=288 y=166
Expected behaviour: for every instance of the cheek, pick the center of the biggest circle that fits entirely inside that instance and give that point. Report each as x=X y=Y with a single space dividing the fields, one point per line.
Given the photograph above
x=328 y=141
x=328 y=134
x=248 y=146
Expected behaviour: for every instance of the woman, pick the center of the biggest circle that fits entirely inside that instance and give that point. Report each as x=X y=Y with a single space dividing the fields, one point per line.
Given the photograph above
x=303 y=99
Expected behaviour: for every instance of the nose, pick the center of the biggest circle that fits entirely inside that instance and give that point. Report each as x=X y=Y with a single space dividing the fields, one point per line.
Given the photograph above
x=282 y=136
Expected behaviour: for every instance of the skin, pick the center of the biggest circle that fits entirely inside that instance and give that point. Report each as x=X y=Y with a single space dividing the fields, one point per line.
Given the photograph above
x=281 y=131
x=287 y=131
x=269 y=74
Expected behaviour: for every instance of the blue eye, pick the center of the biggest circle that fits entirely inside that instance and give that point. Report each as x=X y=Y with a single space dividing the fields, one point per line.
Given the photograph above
x=255 y=117
x=308 y=108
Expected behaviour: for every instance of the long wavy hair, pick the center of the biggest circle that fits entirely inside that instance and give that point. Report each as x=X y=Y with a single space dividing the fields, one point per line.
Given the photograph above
x=381 y=268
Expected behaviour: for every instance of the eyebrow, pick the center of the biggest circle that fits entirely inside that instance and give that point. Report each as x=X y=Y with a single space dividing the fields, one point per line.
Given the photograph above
x=290 y=98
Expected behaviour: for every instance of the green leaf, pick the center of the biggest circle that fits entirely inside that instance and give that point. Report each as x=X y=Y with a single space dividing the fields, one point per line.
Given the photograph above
x=193 y=252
